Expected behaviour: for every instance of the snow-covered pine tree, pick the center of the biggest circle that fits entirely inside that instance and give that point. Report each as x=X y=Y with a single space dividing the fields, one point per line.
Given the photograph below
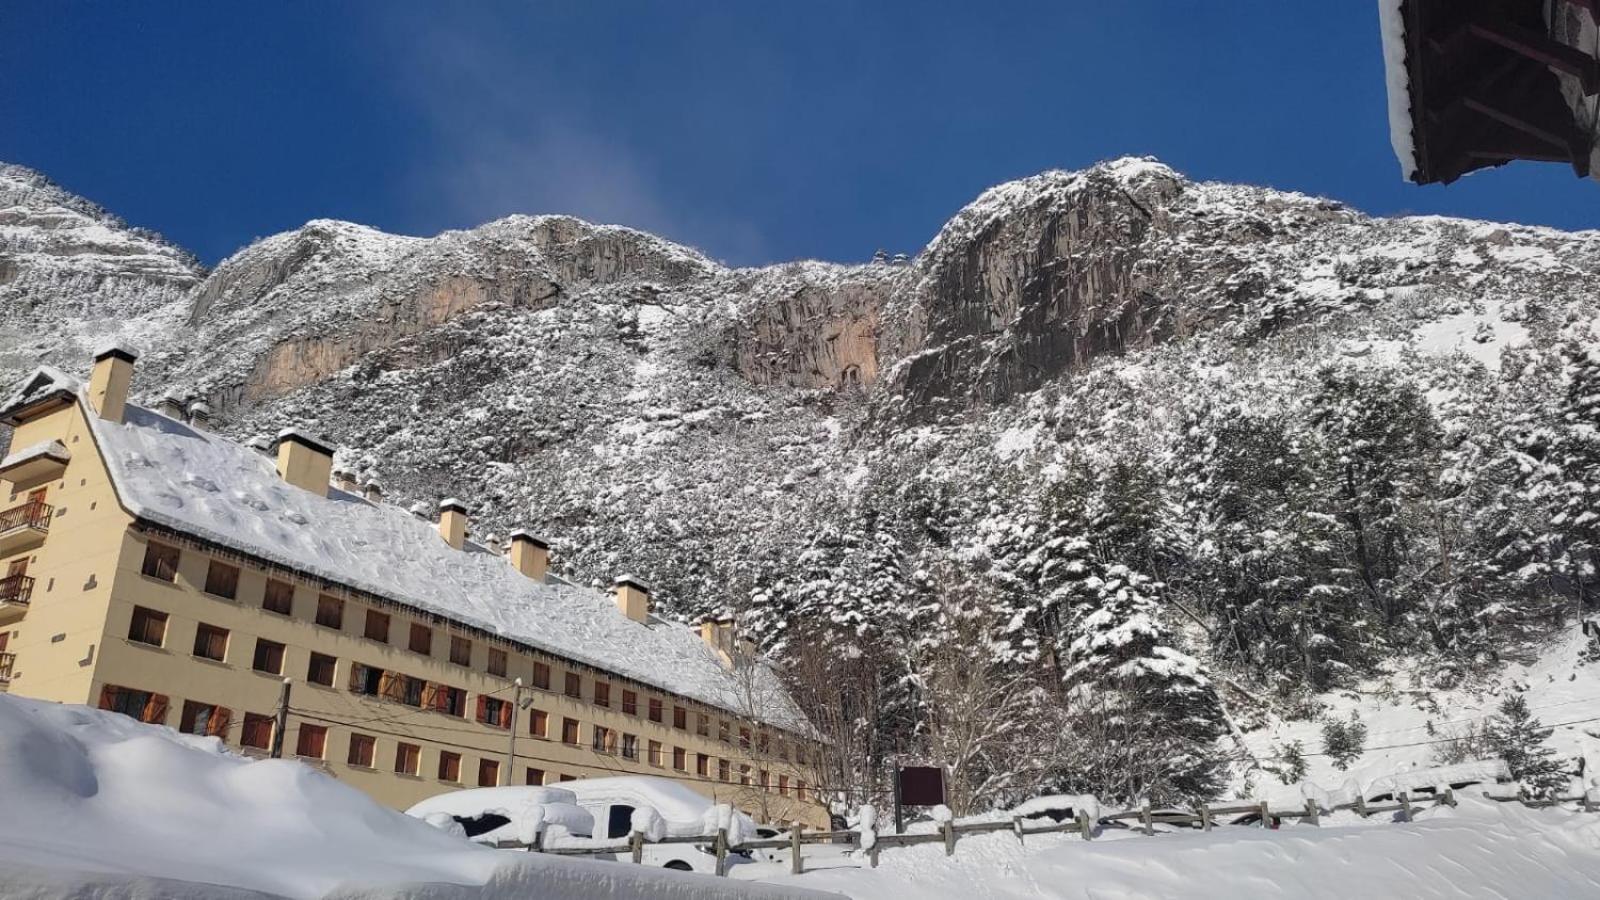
x=1519 y=739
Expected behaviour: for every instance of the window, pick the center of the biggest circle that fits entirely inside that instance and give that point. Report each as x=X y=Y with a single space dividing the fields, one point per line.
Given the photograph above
x=257 y=731
x=538 y=723
x=377 y=626
x=362 y=749
x=702 y=725
x=421 y=639
x=800 y=790
x=680 y=718
x=722 y=770
x=148 y=626
x=321 y=669
x=680 y=758
x=781 y=749
x=142 y=705
x=312 y=742
x=497 y=663
x=766 y=783
x=574 y=686
x=535 y=777
x=449 y=766
x=630 y=703
x=460 y=651
x=278 y=598
x=566 y=777
x=160 y=561
x=630 y=746
x=569 y=731
x=541 y=676
x=269 y=657
x=655 y=709
x=602 y=694
x=655 y=753
x=494 y=712
x=488 y=773
x=222 y=580
x=366 y=680
x=744 y=775
x=407 y=759
x=450 y=701
x=411 y=690
x=722 y=730
x=702 y=765
x=763 y=740
x=330 y=611
x=210 y=642
x=744 y=739
x=204 y=718
x=605 y=741
x=783 y=785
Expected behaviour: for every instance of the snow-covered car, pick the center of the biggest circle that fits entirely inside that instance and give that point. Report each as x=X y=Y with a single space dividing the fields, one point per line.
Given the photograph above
x=509 y=814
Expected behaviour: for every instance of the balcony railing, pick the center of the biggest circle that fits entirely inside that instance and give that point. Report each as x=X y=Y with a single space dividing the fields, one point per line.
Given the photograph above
x=29 y=515
x=16 y=589
x=7 y=660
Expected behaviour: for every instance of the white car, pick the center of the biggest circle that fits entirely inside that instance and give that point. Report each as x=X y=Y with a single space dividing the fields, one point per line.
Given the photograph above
x=609 y=804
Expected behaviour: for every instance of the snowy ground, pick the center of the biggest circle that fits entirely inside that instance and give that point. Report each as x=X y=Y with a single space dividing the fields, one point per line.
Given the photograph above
x=1482 y=849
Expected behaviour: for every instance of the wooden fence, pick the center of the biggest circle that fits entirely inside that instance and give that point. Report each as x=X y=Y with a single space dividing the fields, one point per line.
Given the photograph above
x=1145 y=820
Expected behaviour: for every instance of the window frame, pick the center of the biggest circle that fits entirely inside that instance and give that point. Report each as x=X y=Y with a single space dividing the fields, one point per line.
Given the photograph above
x=161 y=562
x=333 y=669
x=307 y=732
x=275 y=590
x=222 y=580
x=405 y=753
x=254 y=724
x=358 y=740
x=497 y=663
x=326 y=602
x=375 y=617
x=419 y=639
x=206 y=630
x=271 y=647
x=460 y=650
x=144 y=616
x=449 y=768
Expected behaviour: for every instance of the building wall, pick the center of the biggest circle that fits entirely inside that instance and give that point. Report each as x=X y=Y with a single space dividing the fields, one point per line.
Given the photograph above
x=104 y=543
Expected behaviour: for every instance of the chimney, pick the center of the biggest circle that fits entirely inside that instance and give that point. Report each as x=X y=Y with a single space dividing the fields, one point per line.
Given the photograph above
x=172 y=407
x=373 y=491
x=530 y=555
x=200 y=415
x=304 y=461
x=633 y=597
x=345 y=480
x=110 y=379
x=718 y=633
x=453 y=522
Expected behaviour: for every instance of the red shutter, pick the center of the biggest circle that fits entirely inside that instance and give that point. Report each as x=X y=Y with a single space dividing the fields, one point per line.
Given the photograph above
x=483 y=708
x=108 y=697
x=505 y=715
x=155 y=709
x=217 y=724
x=430 y=695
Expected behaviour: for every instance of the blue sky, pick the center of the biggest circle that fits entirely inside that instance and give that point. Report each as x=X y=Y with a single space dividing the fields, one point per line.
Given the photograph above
x=758 y=132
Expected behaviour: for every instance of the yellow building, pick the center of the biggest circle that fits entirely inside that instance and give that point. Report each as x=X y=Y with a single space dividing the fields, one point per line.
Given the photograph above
x=163 y=571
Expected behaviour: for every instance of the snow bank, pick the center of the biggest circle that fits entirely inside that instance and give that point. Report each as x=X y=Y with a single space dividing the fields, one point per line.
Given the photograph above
x=1058 y=804
x=98 y=805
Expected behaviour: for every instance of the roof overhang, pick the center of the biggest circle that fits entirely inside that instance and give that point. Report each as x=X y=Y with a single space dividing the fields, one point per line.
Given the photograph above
x=1479 y=83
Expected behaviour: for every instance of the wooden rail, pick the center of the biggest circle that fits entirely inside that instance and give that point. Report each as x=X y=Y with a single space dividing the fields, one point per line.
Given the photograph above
x=1204 y=817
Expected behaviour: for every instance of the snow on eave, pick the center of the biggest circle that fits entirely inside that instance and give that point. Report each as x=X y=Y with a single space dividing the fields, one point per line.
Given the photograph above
x=201 y=485
x=1392 y=25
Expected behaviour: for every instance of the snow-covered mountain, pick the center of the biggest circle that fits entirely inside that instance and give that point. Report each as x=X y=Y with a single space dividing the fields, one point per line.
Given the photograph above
x=1304 y=441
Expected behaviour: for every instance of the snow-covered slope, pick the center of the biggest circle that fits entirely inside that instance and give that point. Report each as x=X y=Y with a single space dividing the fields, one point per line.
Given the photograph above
x=97 y=804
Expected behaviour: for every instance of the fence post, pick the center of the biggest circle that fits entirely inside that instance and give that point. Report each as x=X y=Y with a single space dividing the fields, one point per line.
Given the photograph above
x=721 y=847
x=1016 y=825
x=797 y=864
x=872 y=853
x=1405 y=807
x=1587 y=806
x=1084 y=827
x=1313 y=814
x=1205 y=817
x=1266 y=815
x=1361 y=805
x=1450 y=797
x=949 y=838
x=1144 y=819
x=636 y=843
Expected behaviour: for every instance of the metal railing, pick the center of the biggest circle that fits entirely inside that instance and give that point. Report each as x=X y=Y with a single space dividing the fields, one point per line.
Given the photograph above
x=7 y=660
x=28 y=515
x=16 y=589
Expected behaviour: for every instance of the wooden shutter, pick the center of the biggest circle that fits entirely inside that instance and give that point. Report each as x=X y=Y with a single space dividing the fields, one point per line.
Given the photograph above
x=505 y=715
x=217 y=723
x=389 y=686
x=108 y=697
x=358 y=675
x=483 y=708
x=430 y=695
x=155 y=709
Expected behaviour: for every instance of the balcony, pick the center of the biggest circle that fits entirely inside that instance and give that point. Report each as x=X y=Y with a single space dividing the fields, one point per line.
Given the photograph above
x=15 y=592
x=24 y=527
x=7 y=660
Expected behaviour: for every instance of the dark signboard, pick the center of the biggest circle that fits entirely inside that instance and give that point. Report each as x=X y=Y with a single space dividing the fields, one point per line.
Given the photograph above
x=922 y=786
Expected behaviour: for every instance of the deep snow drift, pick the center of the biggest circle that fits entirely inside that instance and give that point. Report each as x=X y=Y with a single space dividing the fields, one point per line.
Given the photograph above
x=96 y=804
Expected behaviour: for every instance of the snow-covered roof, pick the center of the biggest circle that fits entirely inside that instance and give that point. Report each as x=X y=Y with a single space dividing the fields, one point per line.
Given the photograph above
x=204 y=485
x=1392 y=24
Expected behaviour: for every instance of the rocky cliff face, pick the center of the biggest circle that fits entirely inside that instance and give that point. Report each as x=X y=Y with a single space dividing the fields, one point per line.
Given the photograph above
x=655 y=411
